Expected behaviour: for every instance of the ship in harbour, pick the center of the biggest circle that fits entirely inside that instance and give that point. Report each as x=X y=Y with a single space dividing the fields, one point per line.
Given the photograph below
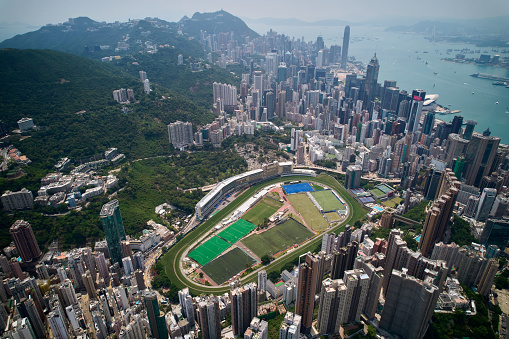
x=489 y=77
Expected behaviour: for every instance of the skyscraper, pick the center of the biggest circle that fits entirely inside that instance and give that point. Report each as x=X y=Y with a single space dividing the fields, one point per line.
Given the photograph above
x=308 y=271
x=479 y=157
x=244 y=307
x=210 y=318
x=155 y=318
x=113 y=229
x=25 y=241
x=414 y=117
x=488 y=276
x=371 y=80
x=353 y=176
x=485 y=203
x=180 y=134
x=346 y=42
x=438 y=216
x=409 y=305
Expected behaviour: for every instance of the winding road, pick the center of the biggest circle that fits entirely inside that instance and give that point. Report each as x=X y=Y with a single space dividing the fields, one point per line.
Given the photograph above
x=172 y=260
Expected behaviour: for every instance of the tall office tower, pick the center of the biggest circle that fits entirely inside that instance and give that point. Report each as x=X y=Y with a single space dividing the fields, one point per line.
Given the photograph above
x=414 y=117
x=432 y=180
x=469 y=129
x=155 y=317
x=57 y=325
x=353 y=176
x=143 y=76
x=487 y=278
x=244 y=307
x=479 y=157
x=428 y=123
x=25 y=241
x=455 y=147
x=457 y=122
x=486 y=201
x=344 y=51
x=290 y=327
x=27 y=309
x=270 y=99
x=17 y=200
x=113 y=229
x=281 y=105
x=180 y=134
x=281 y=72
x=308 y=271
x=210 y=318
x=437 y=219
x=496 y=232
x=262 y=280
x=409 y=305
x=371 y=80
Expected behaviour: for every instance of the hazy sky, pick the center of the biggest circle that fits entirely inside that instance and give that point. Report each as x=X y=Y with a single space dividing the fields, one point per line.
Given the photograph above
x=40 y=12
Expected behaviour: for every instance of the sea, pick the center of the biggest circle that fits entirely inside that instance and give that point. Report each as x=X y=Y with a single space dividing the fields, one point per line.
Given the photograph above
x=414 y=61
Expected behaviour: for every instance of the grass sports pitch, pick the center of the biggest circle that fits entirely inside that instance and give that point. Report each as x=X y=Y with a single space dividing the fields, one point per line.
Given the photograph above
x=209 y=250
x=333 y=216
x=236 y=231
x=305 y=207
x=327 y=201
x=377 y=193
x=263 y=209
x=226 y=266
x=277 y=238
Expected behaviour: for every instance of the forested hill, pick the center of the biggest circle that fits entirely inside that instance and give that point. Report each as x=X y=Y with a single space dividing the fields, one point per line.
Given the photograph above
x=213 y=23
x=52 y=87
x=86 y=37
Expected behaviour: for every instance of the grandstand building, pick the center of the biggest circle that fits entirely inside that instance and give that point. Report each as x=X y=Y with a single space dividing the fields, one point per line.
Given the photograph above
x=243 y=180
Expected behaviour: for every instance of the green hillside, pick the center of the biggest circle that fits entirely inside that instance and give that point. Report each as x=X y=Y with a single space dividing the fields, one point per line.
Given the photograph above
x=220 y=21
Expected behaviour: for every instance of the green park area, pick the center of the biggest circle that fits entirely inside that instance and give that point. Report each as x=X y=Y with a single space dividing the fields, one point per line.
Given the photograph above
x=277 y=238
x=305 y=207
x=332 y=216
x=392 y=202
x=263 y=209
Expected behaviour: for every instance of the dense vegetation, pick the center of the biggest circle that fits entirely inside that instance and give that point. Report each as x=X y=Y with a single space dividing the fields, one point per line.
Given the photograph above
x=162 y=68
x=459 y=325
x=160 y=180
x=461 y=233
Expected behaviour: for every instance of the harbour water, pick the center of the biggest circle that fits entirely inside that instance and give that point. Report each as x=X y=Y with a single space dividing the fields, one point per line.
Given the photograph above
x=414 y=62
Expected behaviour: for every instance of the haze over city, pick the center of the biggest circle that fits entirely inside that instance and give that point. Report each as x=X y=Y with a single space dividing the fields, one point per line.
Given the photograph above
x=207 y=170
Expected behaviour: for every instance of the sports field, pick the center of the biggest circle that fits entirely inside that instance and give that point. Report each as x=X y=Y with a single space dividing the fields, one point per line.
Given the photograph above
x=298 y=188
x=377 y=193
x=236 y=231
x=277 y=238
x=333 y=216
x=226 y=266
x=327 y=201
x=305 y=207
x=263 y=209
x=318 y=187
x=208 y=250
